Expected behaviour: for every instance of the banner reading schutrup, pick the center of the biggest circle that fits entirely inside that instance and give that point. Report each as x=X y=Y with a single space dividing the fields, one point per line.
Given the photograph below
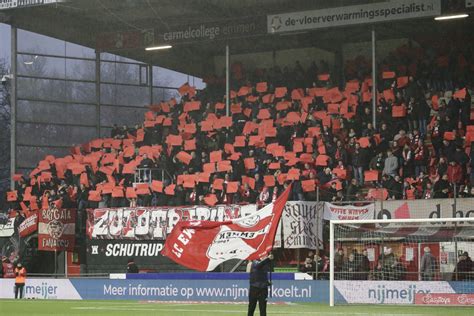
x=203 y=245
x=348 y=212
x=56 y=229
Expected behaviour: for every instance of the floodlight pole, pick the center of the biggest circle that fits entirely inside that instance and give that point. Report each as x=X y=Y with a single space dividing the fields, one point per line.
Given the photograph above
x=227 y=80
x=13 y=93
x=374 y=83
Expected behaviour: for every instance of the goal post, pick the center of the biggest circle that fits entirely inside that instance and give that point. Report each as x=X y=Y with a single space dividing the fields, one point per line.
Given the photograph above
x=401 y=261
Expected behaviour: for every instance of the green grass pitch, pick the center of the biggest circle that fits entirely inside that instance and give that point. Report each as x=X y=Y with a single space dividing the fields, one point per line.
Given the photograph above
x=136 y=308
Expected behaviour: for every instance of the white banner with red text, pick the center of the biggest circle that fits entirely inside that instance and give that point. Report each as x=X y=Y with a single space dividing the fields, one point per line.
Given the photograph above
x=348 y=212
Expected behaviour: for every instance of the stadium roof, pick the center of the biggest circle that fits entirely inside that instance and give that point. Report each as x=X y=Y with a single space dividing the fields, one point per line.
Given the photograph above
x=124 y=27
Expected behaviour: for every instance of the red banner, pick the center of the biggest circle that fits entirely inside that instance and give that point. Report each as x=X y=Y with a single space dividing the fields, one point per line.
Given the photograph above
x=56 y=229
x=28 y=226
x=444 y=299
x=203 y=245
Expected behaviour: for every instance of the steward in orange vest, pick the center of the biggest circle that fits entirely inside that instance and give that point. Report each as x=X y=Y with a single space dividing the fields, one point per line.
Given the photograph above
x=20 y=278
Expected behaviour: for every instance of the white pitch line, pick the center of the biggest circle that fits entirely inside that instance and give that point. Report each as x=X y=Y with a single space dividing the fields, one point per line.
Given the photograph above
x=238 y=311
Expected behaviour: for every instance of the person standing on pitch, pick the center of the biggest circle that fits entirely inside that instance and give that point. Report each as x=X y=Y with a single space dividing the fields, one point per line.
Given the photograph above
x=20 y=278
x=259 y=284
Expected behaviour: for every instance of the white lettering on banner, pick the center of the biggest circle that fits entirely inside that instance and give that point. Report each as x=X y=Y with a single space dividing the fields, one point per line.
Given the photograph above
x=444 y=299
x=156 y=223
x=28 y=225
x=356 y=14
x=388 y=292
x=348 y=212
x=131 y=250
x=233 y=292
x=301 y=224
x=54 y=243
x=115 y=290
x=10 y=4
x=184 y=238
x=224 y=236
x=56 y=214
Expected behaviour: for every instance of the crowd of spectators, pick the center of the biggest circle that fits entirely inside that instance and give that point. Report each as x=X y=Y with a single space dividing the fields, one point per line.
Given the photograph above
x=352 y=265
x=306 y=130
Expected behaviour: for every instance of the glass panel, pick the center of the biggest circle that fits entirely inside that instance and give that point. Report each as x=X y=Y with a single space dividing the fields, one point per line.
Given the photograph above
x=168 y=78
x=75 y=50
x=198 y=83
x=124 y=95
x=81 y=92
x=43 y=89
x=163 y=94
x=55 y=135
x=107 y=56
x=43 y=112
x=28 y=157
x=40 y=66
x=120 y=73
x=111 y=115
x=80 y=69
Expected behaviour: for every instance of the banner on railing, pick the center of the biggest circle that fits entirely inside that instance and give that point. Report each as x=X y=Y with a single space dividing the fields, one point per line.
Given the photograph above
x=28 y=226
x=433 y=208
x=56 y=229
x=301 y=225
x=390 y=292
x=6 y=229
x=348 y=212
x=112 y=255
x=155 y=223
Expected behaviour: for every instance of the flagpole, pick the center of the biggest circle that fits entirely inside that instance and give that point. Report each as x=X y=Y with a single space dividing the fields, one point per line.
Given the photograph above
x=270 y=277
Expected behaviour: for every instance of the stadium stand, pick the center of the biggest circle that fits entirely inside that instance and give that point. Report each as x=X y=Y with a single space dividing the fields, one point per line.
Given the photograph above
x=282 y=126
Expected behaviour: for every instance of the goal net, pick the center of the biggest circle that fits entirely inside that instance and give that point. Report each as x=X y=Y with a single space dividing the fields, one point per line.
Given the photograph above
x=402 y=261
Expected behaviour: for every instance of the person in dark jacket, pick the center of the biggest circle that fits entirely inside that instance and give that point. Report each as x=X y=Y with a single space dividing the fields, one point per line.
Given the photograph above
x=131 y=266
x=259 y=283
x=350 y=268
x=463 y=270
x=309 y=265
x=364 y=265
x=358 y=164
x=19 y=218
x=441 y=188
